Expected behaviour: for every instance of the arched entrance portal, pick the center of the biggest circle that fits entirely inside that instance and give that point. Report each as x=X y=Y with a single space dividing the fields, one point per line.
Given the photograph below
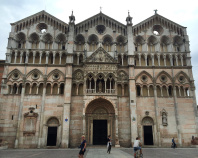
x=52 y=131
x=148 y=128
x=100 y=122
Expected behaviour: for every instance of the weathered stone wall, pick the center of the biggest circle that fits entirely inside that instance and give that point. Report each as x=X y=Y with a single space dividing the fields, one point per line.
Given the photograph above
x=124 y=121
x=76 y=121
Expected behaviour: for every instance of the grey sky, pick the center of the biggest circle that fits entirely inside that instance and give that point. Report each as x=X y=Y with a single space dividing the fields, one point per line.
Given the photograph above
x=182 y=12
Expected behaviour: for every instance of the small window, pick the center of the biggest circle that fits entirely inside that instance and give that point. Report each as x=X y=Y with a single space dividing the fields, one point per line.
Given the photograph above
x=63 y=47
x=19 y=45
x=136 y=49
x=170 y=91
x=138 y=91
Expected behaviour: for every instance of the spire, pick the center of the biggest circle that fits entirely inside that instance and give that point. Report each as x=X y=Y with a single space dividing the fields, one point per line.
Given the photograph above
x=129 y=19
x=72 y=18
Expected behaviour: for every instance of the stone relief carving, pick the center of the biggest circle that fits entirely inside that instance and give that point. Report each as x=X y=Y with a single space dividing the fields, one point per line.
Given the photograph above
x=30 y=120
x=122 y=76
x=100 y=55
x=147 y=121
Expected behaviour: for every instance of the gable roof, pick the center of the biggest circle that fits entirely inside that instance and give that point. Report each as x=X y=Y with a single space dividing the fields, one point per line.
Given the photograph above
x=39 y=14
x=158 y=19
x=103 y=16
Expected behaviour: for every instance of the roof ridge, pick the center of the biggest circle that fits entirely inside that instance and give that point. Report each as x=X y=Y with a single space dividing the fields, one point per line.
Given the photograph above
x=44 y=12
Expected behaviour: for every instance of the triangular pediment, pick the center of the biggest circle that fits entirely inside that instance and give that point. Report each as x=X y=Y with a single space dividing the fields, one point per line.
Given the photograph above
x=39 y=17
x=157 y=19
x=100 y=56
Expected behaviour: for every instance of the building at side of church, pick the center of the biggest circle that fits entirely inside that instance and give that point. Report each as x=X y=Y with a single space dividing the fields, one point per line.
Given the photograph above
x=97 y=78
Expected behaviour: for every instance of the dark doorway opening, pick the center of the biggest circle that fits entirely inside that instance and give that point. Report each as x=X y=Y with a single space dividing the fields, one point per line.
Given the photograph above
x=99 y=132
x=52 y=136
x=148 y=135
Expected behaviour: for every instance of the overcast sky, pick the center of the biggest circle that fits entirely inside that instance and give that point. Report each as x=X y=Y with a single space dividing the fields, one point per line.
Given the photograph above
x=182 y=12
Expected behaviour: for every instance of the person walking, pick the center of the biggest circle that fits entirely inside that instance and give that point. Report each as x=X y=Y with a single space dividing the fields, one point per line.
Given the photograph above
x=109 y=144
x=173 y=143
x=82 y=147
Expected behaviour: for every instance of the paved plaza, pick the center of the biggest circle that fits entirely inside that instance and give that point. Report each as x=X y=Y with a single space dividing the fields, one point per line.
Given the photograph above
x=99 y=153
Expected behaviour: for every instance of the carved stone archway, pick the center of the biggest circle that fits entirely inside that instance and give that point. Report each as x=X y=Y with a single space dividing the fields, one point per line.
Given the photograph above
x=101 y=109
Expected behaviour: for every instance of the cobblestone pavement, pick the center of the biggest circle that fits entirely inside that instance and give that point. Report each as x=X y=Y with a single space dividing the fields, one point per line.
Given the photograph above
x=99 y=153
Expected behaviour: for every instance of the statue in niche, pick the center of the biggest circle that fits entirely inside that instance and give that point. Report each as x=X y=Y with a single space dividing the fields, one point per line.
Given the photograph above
x=164 y=117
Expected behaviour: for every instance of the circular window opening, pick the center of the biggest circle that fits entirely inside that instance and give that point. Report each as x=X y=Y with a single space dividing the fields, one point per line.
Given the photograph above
x=35 y=75
x=41 y=28
x=16 y=75
x=144 y=78
x=100 y=29
x=181 y=79
x=56 y=76
x=157 y=30
x=163 y=78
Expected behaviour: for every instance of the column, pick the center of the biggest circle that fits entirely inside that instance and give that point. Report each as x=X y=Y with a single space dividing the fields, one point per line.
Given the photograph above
x=20 y=115
x=60 y=58
x=148 y=91
x=78 y=58
x=139 y=55
x=178 y=128
x=47 y=57
x=167 y=91
x=21 y=55
x=95 y=85
x=141 y=91
x=179 y=91
x=59 y=89
x=117 y=143
x=122 y=56
x=176 y=58
x=37 y=88
x=11 y=90
x=164 y=60
x=157 y=116
x=54 y=54
x=161 y=92
x=27 y=56
x=77 y=89
x=105 y=85
x=40 y=55
x=152 y=56
x=41 y=138
x=15 y=57
x=158 y=57
x=171 y=59
x=34 y=54
x=66 y=107
x=182 y=63
x=145 y=56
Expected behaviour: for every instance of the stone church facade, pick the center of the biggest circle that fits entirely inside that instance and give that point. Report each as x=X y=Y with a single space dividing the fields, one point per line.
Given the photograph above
x=98 y=77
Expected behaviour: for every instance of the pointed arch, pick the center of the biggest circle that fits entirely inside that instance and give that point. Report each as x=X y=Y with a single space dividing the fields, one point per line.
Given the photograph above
x=15 y=71
x=55 y=71
x=144 y=72
x=165 y=73
x=182 y=73
x=34 y=71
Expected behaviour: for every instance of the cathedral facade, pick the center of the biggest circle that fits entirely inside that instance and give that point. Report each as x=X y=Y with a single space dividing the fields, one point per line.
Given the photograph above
x=98 y=78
